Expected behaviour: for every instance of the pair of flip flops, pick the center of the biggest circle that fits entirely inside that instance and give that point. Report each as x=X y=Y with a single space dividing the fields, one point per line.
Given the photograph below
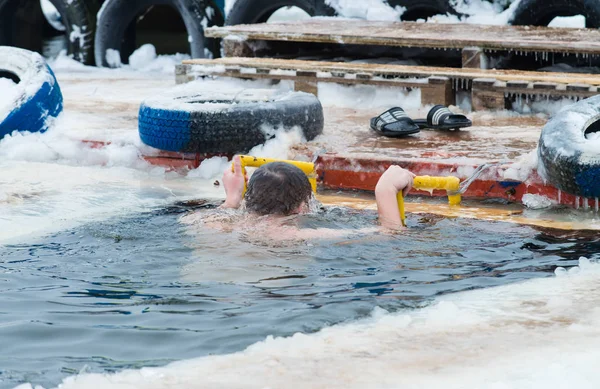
x=395 y=122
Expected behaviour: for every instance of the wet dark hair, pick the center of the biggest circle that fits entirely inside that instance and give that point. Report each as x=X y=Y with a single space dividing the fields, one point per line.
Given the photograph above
x=277 y=188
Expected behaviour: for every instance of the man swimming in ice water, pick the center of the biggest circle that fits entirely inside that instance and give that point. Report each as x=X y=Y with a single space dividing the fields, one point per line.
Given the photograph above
x=281 y=189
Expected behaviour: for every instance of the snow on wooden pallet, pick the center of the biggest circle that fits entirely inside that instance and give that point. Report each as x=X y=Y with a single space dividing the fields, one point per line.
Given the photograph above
x=541 y=40
x=490 y=88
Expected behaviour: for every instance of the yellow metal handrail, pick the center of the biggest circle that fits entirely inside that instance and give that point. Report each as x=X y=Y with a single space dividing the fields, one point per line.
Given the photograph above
x=429 y=183
x=307 y=167
x=450 y=183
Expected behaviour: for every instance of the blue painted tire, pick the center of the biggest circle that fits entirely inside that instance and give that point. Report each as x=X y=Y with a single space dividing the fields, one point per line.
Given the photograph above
x=568 y=159
x=225 y=122
x=39 y=96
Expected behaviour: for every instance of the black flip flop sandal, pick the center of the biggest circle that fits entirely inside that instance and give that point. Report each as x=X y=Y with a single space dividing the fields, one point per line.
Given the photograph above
x=394 y=123
x=441 y=118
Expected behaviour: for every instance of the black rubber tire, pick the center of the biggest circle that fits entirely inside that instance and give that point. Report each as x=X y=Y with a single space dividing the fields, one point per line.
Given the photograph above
x=541 y=12
x=568 y=159
x=116 y=18
x=19 y=19
x=422 y=9
x=182 y=121
x=259 y=11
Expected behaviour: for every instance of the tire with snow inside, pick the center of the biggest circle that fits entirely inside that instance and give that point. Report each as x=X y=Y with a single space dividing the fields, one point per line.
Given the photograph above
x=225 y=122
x=21 y=21
x=259 y=11
x=37 y=96
x=116 y=17
x=541 y=12
x=568 y=149
x=423 y=9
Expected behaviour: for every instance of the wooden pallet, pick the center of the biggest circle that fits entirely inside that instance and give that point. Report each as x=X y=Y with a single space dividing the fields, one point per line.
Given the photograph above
x=474 y=40
x=490 y=88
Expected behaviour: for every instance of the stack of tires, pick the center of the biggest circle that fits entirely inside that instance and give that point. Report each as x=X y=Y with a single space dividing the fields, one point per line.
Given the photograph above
x=91 y=27
x=116 y=26
x=22 y=24
x=528 y=12
x=259 y=11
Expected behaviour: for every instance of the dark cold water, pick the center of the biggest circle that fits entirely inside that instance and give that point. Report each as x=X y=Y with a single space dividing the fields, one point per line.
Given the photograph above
x=144 y=291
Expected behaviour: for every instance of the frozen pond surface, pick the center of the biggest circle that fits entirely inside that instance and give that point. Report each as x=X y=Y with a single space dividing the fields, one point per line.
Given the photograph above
x=98 y=275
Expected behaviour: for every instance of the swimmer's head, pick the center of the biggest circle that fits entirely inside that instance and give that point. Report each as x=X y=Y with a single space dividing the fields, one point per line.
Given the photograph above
x=277 y=188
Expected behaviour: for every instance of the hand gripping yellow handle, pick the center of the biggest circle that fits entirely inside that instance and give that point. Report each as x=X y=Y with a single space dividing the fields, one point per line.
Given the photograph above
x=430 y=183
x=307 y=167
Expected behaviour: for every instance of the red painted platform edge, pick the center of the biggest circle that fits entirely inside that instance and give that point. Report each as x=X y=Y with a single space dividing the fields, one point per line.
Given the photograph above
x=343 y=172
x=350 y=173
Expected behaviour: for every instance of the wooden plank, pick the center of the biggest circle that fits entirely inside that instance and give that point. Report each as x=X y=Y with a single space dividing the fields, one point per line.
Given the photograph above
x=474 y=58
x=304 y=77
x=579 y=87
x=487 y=95
x=439 y=92
x=427 y=35
x=384 y=70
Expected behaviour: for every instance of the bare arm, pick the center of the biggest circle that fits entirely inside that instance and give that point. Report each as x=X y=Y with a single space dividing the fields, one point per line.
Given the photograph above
x=394 y=180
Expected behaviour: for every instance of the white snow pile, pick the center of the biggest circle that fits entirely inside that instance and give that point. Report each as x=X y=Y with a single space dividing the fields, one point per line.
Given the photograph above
x=276 y=147
x=8 y=96
x=366 y=9
x=214 y=96
x=478 y=12
x=521 y=169
x=367 y=96
x=53 y=146
x=535 y=201
x=144 y=59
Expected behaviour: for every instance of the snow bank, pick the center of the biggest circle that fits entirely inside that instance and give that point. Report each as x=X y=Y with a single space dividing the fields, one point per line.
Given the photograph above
x=367 y=96
x=8 y=96
x=478 y=12
x=277 y=147
x=577 y=21
x=214 y=96
x=535 y=201
x=52 y=146
x=366 y=9
x=521 y=169
x=144 y=59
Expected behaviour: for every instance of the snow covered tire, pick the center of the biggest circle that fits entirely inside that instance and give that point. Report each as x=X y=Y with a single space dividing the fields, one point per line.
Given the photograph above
x=541 y=12
x=78 y=17
x=38 y=97
x=225 y=122
x=259 y=11
x=116 y=15
x=569 y=160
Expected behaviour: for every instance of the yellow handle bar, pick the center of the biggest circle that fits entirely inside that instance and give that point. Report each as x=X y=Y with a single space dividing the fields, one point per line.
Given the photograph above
x=449 y=183
x=307 y=167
